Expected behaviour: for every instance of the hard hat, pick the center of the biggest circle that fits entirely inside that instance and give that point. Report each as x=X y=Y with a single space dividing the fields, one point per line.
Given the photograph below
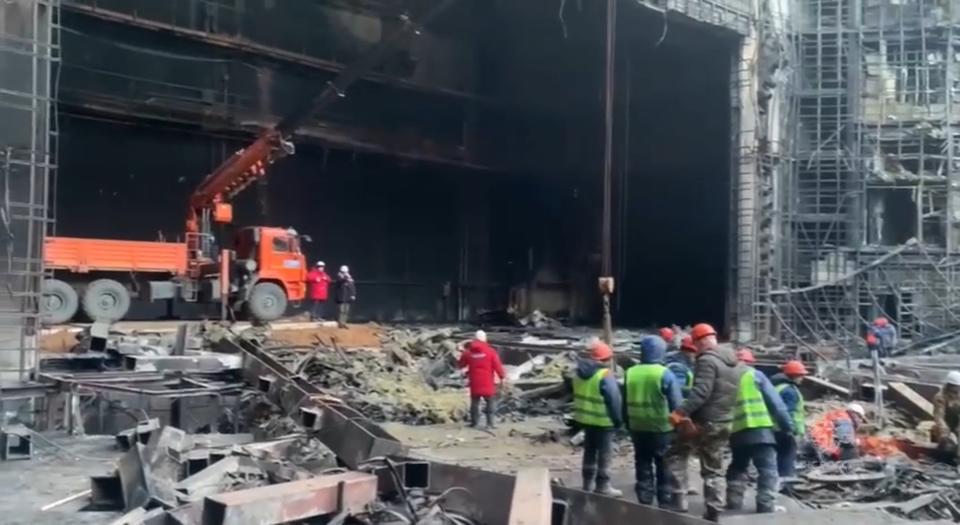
x=321 y=263
x=702 y=330
x=344 y=269
x=953 y=378
x=794 y=369
x=745 y=355
x=600 y=351
x=857 y=409
x=667 y=334
x=880 y=322
x=687 y=344
x=480 y=335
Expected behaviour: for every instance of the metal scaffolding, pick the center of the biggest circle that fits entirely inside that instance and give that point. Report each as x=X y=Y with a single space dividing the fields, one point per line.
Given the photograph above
x=868 y=224
x=29 y=50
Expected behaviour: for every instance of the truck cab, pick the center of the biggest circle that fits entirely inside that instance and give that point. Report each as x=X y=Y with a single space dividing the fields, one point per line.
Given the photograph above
x=269 y=271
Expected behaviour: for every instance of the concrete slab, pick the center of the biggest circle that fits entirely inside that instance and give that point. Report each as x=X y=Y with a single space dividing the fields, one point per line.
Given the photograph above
x=822 y=517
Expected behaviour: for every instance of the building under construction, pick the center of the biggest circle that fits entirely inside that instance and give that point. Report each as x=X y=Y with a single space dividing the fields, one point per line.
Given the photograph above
x=779 y=168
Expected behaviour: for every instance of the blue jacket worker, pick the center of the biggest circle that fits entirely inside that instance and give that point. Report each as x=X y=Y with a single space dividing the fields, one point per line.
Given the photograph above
x=597 y=411
x=787 y=384
x=651 y=393
x=758 y=413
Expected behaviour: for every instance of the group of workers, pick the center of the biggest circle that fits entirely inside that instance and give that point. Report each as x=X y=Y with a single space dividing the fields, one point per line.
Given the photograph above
x=702 y=399
x=345 y=292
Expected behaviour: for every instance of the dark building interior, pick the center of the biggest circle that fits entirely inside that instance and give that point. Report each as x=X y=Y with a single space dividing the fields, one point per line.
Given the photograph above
x=461 y=177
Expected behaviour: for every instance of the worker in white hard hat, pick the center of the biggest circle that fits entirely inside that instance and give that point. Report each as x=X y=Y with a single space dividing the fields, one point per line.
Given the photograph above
x=318 y=283
x=834 y=434
x=946 y=417
x=346 y=295
x=483 y=368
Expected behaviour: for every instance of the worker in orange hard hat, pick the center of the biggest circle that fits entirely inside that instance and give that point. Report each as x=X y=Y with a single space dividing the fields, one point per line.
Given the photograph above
x=597 y=410
x=746 y=356
x=681 y=362
x=668 y=335
x=709 y=410
x=787 y=383
x=884 y=337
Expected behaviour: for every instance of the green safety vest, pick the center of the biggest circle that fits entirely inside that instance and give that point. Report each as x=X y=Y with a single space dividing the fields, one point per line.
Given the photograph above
x=647 y=408
x=688 y=384
x=799 y=413
x=750 y=410
x=588 y=405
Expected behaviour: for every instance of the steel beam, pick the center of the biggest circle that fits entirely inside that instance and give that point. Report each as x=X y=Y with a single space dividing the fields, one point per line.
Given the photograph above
x=532 y=502
x=348 y=493
x=346 y=431
x=490 y=494
x=254 y=48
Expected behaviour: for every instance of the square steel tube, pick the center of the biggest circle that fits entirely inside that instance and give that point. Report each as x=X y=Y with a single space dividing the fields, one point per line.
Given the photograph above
x=296 y=500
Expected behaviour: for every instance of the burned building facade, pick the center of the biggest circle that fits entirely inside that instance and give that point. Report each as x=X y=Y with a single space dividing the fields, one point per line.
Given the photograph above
x=782 y=169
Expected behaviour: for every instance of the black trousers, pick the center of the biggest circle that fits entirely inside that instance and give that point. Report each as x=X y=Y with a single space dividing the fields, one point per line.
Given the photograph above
x=490 y=409
x=316 y=308
x=597 y=453
x=786 y=454
x=653 y=477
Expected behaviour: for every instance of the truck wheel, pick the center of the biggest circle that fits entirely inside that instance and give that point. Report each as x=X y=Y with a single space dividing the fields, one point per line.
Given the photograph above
x=106 y=300
x=268 y=302
x=60 y=302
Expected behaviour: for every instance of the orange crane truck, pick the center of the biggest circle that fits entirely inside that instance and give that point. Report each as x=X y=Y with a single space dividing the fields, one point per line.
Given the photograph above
x=259 y=274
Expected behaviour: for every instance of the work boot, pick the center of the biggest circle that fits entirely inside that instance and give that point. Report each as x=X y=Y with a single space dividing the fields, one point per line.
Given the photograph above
x=765 y=509
x=734 y=500
x=712 y=514
x=679 y=502
x=491 y=424
x=588 y=485
x=607 y=490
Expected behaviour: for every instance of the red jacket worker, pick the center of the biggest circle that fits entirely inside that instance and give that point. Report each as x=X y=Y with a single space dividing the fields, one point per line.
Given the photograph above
x=482 y=363
x=319 y=283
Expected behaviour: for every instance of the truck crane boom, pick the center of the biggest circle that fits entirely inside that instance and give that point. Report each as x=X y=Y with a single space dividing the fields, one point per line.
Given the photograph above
x=210 y=201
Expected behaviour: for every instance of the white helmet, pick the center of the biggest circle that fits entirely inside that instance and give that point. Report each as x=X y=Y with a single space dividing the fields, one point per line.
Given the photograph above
x=344 y=269
x=953 y=378
x=857 y=409
x=480 y=336
x=321 y=263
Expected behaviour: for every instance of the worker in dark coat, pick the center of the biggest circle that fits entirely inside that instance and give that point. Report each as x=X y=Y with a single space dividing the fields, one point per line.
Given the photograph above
x=346 y=295
x=703 y=421
x=483 y=367
x=597 y=411
x=946 y=418
x=787 y=384
x=758 y=412
x=319 y=286
x=651 y=393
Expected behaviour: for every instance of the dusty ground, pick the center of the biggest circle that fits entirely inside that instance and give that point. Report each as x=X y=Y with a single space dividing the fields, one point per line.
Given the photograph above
x=354 y=336
x=53 y=474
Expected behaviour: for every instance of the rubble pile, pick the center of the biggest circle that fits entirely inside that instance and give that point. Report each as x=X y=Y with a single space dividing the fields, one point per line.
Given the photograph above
x=415 y=379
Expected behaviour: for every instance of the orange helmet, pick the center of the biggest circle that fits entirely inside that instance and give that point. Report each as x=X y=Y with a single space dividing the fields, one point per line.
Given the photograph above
x=880 y=322
x=745 y=355
x=702 y=330
x=667 y=334
x=687 y=344
x=794 y=369
x=600 y=351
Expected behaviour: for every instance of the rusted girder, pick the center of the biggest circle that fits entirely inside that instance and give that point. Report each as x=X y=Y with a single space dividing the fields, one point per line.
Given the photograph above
x=348 y=493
